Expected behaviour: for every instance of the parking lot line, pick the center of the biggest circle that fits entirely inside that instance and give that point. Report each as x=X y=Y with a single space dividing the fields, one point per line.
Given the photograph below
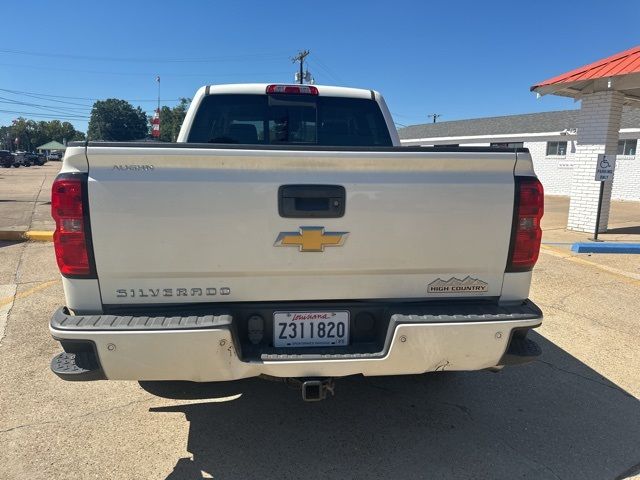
x=10 y=299
x=9 y=292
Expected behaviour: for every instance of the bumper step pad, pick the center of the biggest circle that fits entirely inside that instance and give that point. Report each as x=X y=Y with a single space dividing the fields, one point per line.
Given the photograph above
x=77 y=367
x=63 y=320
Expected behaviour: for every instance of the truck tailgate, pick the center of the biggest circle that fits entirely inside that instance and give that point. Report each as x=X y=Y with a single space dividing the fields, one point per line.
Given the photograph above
x=181 y=225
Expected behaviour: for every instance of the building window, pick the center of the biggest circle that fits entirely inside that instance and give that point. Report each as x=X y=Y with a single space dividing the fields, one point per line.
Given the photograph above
x=557 y=148
x=627 y=147
x=507 y=144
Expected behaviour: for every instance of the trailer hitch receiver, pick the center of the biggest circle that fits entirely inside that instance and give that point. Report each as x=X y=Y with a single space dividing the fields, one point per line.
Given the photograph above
x=316 y=389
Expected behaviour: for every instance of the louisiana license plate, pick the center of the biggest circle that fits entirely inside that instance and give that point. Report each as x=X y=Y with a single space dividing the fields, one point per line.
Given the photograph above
x=310 y=329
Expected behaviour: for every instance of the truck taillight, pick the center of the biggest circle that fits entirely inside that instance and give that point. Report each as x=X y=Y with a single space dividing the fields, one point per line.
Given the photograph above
x=526 y=233
x=71 y=238
x=293 y=89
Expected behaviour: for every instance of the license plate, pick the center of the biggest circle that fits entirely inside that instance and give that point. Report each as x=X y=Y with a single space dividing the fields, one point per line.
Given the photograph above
x=310 y=329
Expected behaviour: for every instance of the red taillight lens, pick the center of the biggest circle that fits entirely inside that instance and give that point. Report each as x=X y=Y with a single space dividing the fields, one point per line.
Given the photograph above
x=526 y=234
x=293 y=89
x=70 y=237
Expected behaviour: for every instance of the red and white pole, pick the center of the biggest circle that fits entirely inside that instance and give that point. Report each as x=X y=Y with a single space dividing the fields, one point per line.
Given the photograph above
x=155 y=121
x=155 y=124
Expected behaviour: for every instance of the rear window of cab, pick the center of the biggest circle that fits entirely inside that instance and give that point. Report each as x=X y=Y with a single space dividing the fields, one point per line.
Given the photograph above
x=282 y=119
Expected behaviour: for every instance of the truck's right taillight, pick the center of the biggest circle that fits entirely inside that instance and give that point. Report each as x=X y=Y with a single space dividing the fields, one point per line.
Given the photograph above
x=72 y=236
x=526 y=233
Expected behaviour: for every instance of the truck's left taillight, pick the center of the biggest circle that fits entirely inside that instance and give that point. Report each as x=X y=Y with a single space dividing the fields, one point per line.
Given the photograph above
x=526 y=233
x=72 y=236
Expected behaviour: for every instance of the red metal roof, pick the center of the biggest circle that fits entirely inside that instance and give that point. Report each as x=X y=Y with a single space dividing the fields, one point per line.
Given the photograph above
x=622 y=63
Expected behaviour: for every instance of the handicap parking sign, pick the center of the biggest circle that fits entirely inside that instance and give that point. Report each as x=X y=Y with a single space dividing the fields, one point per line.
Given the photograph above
x=606 y=166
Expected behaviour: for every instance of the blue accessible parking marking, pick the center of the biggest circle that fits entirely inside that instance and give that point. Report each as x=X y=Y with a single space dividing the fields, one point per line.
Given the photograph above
x=606 y=247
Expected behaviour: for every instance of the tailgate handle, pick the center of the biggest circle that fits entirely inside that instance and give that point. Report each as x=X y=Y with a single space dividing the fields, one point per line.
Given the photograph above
x=311 y=201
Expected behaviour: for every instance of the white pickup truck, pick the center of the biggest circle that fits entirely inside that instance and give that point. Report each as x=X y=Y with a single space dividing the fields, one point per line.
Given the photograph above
x=288 y=234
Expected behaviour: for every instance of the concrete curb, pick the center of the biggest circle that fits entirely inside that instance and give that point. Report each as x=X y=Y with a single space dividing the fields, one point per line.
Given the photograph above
x=12 y=235
x=22 y=235
x=39 y=236
x=606 y=247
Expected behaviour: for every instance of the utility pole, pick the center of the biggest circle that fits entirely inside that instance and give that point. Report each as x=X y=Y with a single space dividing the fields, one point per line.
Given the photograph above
x=300 y=58
x=434 y=116
x=155 y=121
x=158 y=80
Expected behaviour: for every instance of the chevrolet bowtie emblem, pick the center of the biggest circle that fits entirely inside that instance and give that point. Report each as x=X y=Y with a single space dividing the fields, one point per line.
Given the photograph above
x=311 y=239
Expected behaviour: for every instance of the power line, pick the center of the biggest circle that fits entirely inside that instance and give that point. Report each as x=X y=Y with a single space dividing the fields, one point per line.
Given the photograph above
x=42 y=115
x=47 y=111
x=220 y=58
x=144 y=74
x=326 y=68
x=78 y=112
x=329 y=75
x=49 y=96
x=61 y=110
x=402 y=115
x=43 y=97
x=57 y=107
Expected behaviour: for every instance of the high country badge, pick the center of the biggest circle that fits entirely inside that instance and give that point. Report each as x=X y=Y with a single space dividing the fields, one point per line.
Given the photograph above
x=455 y=285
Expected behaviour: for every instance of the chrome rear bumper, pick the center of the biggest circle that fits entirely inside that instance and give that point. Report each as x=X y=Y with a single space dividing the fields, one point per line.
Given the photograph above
x=206 y=348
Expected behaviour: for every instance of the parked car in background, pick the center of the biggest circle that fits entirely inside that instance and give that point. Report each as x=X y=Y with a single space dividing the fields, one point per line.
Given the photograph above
x=6 y=159
x=21 y=159
x=54 y=156
x=35 y=158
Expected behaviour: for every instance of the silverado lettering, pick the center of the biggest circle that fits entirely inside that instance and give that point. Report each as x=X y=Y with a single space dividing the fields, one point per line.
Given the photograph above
x=170 y=292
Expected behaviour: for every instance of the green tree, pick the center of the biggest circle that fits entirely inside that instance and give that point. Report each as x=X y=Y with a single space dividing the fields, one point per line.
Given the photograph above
x=171 y=120
x=166 y=124
x=32 y=134
x=5 y=138
x=115 y=119
x=24 y=134
x=58 y=131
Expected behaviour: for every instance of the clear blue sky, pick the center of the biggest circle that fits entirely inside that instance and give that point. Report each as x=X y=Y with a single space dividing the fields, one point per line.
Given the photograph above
x=461 y=59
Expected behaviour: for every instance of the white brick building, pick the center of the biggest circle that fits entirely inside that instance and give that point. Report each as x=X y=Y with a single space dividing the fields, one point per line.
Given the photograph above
x=552 y=139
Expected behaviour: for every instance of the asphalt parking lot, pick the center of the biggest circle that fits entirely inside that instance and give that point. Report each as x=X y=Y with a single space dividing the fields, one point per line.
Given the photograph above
x=573 y=414
x=24 y=197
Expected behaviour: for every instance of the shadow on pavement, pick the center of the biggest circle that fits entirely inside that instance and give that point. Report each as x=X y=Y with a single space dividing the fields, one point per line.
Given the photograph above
x=625 y=230
x=9 y=243
x=555 y=418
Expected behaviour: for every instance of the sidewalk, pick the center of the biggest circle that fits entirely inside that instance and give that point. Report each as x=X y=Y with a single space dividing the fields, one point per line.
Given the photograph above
x=624 y=223
x=624 y=227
